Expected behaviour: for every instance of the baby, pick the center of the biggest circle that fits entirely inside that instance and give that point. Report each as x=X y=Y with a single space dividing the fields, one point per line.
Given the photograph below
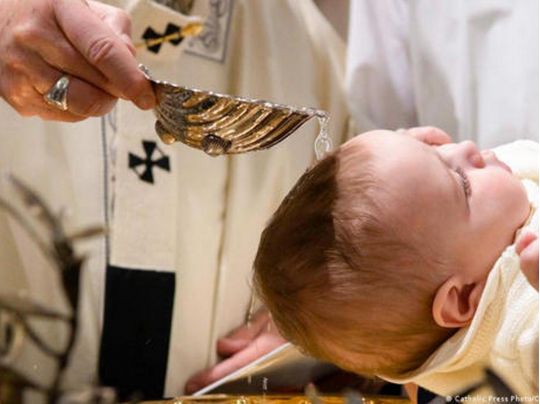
x=390 y=257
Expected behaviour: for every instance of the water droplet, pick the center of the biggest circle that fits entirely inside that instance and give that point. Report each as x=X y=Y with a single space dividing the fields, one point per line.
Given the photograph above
x=323 y=143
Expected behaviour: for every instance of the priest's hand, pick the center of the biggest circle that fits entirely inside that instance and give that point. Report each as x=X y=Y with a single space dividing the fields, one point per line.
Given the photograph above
x=87 y=41
x=429 y=135
x=242 y=346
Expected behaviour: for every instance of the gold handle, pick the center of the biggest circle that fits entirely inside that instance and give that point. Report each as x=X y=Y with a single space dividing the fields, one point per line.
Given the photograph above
x=191 y=29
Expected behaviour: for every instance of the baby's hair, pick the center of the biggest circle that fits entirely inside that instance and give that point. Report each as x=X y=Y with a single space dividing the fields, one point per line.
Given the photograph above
x=339 y=280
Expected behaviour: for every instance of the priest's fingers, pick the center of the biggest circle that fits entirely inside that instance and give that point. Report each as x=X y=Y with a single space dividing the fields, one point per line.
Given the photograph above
x=430 y=135
x=83 y=99
x=260 y=346
x=117 y=19
x=54 y=48
x=35 y=53
x=29 y=82
x=242 y=336
x=28 y=102
x=104 y=49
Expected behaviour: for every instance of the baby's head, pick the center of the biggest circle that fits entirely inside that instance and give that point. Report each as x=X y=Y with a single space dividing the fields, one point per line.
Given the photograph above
x=381 y=251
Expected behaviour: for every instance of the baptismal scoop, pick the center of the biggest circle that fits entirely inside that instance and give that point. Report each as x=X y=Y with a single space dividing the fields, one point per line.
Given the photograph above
x=223 y=124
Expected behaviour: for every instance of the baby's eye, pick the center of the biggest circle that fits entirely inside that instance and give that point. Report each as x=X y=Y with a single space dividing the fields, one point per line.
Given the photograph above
x=464 y=181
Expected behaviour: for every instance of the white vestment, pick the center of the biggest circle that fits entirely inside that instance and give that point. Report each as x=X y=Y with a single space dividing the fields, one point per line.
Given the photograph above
x=468 y=67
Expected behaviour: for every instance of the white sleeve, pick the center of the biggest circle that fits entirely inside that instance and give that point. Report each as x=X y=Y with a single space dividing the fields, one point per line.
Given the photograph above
x=378 y=77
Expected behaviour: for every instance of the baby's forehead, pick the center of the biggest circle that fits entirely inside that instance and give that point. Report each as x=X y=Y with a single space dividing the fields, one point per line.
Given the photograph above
x=403 y=171
x=387 y=150
x=374 y=136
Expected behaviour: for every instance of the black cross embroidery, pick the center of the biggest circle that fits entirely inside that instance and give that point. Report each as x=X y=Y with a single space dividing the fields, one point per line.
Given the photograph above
x=148 y=163
x=149 y=34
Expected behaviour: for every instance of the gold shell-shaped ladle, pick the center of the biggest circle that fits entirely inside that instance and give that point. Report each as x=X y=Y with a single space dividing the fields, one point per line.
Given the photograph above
x=223 y=124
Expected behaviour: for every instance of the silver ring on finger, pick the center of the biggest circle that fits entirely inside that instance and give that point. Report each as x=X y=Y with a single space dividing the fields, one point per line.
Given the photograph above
x=57 y=95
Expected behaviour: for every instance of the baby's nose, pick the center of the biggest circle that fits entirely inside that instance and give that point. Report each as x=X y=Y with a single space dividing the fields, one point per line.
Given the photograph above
x=469 y=151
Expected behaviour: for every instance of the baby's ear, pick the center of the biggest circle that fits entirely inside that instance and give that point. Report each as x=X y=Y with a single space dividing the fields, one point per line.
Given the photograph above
x=455 y=302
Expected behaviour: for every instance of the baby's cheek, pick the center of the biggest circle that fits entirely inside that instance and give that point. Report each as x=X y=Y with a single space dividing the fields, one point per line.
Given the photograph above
x=498 y=197
x=509 y=196
x=517 y=196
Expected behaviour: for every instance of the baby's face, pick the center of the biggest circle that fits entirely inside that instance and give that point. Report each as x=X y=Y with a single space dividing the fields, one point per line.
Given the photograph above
x=458 y=204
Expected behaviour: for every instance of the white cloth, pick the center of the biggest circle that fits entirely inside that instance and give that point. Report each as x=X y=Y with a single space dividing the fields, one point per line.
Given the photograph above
x=504 y=332
x=468 y=67
x=203 y=219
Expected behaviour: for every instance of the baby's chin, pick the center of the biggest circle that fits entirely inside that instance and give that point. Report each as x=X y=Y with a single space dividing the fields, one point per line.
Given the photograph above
x=514 y=206
x=521 y=203
x=524 y=218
